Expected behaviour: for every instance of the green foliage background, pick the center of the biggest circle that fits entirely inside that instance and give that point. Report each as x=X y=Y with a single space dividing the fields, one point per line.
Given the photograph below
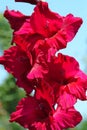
x=10 y=94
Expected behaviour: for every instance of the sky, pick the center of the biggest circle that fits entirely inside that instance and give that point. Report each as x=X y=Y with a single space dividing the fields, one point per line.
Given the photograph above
x=77 y=48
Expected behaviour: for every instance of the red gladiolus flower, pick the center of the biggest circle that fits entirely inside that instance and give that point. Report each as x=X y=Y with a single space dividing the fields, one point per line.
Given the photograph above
x=52 y=25
x=50 y=30
x=67 y=80
x=37 y=114
x=17 y=63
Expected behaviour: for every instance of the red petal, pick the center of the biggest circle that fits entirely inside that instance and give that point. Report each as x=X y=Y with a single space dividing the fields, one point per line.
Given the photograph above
x=79 y=86
x=62 y=68
x=71 y=25
x=66 y=100
x=15 y=18
x=66 y=119
x=48 y=22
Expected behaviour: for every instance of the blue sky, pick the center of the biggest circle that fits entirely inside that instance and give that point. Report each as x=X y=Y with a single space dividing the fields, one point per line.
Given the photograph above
x=77 y=48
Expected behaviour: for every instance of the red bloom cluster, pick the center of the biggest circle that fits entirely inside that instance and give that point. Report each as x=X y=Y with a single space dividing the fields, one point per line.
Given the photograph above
x=52 y=83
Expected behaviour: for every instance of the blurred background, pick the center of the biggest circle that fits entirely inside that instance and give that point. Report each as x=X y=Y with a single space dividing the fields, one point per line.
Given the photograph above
x=9 y=92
